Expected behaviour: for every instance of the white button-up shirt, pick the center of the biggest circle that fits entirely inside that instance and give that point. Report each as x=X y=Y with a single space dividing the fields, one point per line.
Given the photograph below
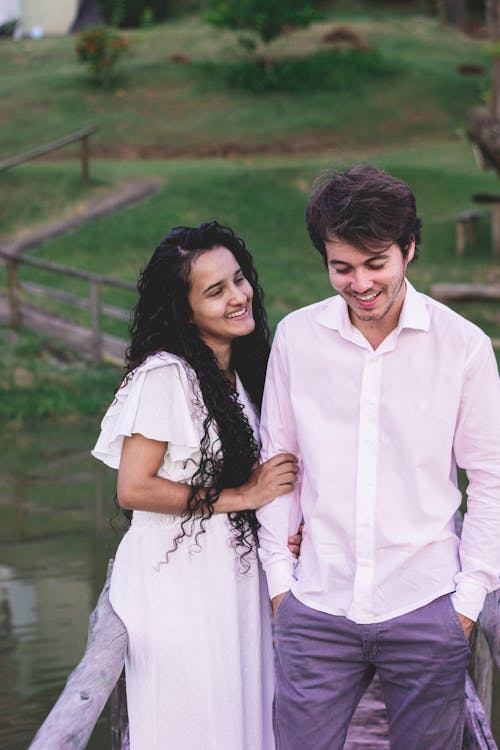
x=379 y=434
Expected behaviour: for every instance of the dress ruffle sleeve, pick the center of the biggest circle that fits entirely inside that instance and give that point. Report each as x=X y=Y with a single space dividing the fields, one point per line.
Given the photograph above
x=157 y=402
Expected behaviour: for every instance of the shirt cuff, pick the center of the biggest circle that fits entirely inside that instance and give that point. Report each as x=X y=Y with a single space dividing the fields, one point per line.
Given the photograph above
x=279 y=573
x=468 y=599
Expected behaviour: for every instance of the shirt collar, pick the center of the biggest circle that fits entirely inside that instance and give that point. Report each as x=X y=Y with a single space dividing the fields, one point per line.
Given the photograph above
x=414 y=314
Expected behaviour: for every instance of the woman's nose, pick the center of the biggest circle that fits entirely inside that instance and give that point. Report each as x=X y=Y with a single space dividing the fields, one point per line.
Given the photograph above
x=238 y=294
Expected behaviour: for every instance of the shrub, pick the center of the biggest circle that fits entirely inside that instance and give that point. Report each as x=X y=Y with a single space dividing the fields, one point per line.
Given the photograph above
x=323 y=71
x=101 y=48
x=265 y=18
x=8 y=28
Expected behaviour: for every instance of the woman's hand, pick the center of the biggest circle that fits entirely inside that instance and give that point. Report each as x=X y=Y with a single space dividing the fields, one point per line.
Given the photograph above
x=295 y=541
x=268 y=480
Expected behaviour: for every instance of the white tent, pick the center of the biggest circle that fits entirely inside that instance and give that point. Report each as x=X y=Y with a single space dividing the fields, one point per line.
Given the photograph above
x=41 y=17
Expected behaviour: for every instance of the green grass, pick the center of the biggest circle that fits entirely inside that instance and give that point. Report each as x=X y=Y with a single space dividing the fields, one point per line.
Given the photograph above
x=410 y=122
x=36 y=384
x=161 y=106
x=264 y=200
x=34 y=193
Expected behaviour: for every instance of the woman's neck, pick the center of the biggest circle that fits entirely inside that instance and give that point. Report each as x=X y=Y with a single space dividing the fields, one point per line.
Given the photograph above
x=223 y=358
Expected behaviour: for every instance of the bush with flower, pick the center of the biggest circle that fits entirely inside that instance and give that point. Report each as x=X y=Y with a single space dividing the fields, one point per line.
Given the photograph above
x=100 y=48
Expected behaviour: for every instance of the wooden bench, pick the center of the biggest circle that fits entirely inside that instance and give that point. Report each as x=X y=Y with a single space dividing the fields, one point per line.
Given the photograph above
x=80 y=135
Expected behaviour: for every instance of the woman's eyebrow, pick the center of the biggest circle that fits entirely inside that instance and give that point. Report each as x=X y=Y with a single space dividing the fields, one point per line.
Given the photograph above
x=212 y=286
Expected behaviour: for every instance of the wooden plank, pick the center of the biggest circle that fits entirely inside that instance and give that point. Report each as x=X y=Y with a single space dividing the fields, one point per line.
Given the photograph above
x=67 y=271
x=13 y=293
x=74 y=337
x=460 y=240
x=495 y=230
x=469 y=292
x=120 y=738
x=119 y=313
x=489 y=620
x=46 y=148
x=85 y=158
x=369 y=729
x=71 y=721
x=481 y=669
x=95 y=315
x=476 y=722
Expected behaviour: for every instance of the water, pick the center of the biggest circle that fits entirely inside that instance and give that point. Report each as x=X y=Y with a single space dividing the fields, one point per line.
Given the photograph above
x=55 y=541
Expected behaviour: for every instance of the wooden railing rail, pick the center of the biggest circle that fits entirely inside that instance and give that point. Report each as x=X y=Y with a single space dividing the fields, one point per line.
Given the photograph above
x=72 y=299
x=80 y=135
x=93 y=303
x=67 y=271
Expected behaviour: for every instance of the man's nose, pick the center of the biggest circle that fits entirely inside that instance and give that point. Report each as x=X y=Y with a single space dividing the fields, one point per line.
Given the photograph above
x=360 y=280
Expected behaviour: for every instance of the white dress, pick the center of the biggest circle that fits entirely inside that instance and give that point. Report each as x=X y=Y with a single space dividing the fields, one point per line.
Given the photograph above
x=199 y=662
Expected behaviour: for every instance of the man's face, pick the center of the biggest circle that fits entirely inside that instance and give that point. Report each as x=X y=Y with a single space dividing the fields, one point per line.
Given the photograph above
x=372 y=283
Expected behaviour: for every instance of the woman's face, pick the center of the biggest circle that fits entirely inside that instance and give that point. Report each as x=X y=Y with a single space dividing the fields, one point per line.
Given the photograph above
x=220 y=297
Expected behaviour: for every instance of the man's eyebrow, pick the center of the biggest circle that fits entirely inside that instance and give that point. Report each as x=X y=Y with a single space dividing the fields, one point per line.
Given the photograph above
x=369 y=259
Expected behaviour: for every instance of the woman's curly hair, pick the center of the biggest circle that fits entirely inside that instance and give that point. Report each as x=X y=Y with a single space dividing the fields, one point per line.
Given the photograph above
x=162 y=322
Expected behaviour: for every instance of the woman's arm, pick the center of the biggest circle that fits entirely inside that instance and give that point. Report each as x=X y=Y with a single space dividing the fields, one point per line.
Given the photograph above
x=139 y=487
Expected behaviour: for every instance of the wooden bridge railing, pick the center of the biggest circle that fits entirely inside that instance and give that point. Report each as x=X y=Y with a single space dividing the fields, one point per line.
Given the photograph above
x=82 y=135
x=15 y=287
x=100 y=675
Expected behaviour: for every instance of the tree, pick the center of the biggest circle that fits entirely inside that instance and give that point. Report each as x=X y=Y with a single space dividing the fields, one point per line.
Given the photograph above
x=132 y=13
x=453 y=12
x=265 y=18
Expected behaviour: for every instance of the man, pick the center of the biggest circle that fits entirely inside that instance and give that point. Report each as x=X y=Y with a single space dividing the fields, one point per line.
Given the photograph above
x=381 y=392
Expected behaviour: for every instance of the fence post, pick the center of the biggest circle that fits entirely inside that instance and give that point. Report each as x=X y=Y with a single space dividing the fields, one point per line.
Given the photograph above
x=19 y=502
x=85 y=158
x=481 y=669
x=95 y=313
x=13 y=293
x=495 y=229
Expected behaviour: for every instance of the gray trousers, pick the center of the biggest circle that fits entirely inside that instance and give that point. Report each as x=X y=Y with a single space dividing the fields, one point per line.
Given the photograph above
x=324 y=663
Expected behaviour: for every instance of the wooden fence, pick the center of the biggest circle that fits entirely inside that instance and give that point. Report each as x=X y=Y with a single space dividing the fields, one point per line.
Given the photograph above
x=82 y=135
x=91 y=341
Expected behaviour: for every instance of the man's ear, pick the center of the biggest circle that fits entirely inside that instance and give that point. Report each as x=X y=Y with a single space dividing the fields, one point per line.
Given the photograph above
x=411 y=251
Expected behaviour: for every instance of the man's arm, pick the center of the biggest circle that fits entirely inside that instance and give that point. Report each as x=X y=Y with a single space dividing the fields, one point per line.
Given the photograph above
x=477 y=450
x=282 y=516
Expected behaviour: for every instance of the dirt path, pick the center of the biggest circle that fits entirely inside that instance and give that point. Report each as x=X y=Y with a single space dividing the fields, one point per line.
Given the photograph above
x=130 y=192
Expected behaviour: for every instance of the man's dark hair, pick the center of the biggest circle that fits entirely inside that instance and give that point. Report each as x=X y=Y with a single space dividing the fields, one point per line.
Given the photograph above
x=365 y=207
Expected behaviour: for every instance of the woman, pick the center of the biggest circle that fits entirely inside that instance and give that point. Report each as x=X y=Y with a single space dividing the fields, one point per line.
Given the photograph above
x=182 y=433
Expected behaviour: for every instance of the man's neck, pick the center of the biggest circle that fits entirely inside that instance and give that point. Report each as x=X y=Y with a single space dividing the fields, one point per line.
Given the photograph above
x=376 y=331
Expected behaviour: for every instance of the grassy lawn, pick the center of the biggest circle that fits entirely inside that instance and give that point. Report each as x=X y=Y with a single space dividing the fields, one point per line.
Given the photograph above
x=264 y=200
x=162 y=107
x=37 y=383
x=410 y=122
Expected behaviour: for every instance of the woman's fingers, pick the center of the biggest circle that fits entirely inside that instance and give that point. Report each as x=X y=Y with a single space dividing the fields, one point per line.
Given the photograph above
x=282 y=458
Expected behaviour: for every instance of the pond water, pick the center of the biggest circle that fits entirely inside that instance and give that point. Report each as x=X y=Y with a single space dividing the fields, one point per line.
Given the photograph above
x=56 y=503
